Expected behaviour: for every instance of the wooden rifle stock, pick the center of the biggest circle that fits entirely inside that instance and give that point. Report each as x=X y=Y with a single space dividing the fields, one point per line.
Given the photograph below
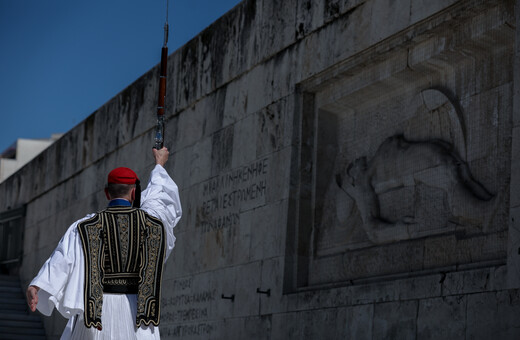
x=159 y=130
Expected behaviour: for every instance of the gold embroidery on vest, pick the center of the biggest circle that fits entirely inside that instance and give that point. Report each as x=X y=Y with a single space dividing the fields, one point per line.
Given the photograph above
x=123 y=247
x=90 y=233
x=123 y=222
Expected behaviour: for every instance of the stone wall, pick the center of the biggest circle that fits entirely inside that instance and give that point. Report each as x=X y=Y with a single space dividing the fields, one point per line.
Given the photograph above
x=348 y=169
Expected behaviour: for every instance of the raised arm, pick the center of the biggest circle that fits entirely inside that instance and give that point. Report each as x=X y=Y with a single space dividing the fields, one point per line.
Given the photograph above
x=161 y=197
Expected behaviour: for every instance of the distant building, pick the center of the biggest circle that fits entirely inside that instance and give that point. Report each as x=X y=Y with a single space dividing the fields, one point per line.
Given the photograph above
x=21 y=152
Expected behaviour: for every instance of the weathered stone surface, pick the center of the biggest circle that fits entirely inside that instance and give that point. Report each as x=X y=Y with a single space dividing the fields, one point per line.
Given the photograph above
x=336 y=323
x=472 y=281
x=396 y=320
x=188 y=301
x=423 y=8
x=272 y=279
x=442 y=318
x=493 y=315
x=267 y=240
x=374 y=192
x=268 y=109
x=248 y=279
x=420 y=287
x=513 y=263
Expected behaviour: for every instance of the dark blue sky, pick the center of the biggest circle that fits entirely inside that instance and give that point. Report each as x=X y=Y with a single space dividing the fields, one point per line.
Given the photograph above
x=60 y=60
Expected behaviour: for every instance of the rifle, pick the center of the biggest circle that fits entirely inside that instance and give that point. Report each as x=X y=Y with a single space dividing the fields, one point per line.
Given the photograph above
x=159 y=129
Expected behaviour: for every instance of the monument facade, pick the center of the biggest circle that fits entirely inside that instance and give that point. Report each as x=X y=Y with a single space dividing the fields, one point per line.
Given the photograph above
x=349 y=169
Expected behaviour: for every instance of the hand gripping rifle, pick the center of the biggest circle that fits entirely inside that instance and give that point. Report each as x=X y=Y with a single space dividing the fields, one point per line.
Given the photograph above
x=159 y=129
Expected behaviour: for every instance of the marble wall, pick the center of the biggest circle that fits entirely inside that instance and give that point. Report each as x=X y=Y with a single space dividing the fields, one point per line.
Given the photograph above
x=347 y=169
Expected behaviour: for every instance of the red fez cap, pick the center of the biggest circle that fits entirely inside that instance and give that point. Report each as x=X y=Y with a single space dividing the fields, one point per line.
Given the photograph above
x=122 y=176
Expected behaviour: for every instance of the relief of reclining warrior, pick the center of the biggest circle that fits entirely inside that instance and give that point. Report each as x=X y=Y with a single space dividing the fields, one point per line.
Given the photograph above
x=400 y=163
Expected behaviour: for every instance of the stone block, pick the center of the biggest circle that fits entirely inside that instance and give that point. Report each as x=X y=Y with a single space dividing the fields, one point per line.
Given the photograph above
x=284 y=74
x=192 y=331
x=222 y=150
x=41 y=208
x=315 y=299
x=257 y=88
x=91 y=180
x=240 y=249
x=359 y=322
x=310 y=60
x=187 y=300
x=420 y=287
x=514 y=189
x=464 y=282
x=248 y=279
x=31 y=265
x=217 y=58
x=232 y=328
x=224 y=282
x=387 y=18
x=254 y=327
x=375 y=292
x=48 y=232
x=442 y=318
x=513 y=246
x=267 y=238
x=244 y=141
x=190 y=201
x=272 y=280
x=271 y=128
x=488 y=117
x=188 y=244
x=191 y=125
x=395 y=320
x=499 y=278
x=174 y=264
x=180 y=172
x=236 y=101
x=273 y=32
x=198 y=162
x=279 y=175
x=126 y=157
x=287 y=326
x=493 y=315
x=335 y=323
x=421 y=9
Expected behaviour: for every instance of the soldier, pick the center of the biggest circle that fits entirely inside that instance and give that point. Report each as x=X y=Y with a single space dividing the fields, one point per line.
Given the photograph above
x=105 y=274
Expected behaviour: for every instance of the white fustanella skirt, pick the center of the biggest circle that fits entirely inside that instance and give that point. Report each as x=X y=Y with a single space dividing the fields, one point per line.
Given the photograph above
x=118 y=319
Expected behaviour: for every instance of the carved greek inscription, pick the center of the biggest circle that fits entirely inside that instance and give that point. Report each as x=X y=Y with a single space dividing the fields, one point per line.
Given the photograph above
x=184 y=315
x=225 y=194
x=203 y=329
x=182 y=284
x=186 y=307
x=189 y=299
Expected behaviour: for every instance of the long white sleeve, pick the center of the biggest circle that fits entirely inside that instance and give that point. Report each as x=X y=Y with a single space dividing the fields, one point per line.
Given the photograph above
x=61 y=277
x=161 y=199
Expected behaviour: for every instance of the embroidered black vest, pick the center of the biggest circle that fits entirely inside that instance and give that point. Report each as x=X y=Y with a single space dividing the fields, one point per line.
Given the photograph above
x=124 y=251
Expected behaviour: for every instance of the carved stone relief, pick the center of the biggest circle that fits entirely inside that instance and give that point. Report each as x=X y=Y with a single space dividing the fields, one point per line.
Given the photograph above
x=417 y=181
x=429 y=172
x=412 y=184
x=404 y=158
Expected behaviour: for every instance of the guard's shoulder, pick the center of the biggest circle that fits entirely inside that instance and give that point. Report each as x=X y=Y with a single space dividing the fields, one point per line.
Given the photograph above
x=89 y=220
x=151 y=217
